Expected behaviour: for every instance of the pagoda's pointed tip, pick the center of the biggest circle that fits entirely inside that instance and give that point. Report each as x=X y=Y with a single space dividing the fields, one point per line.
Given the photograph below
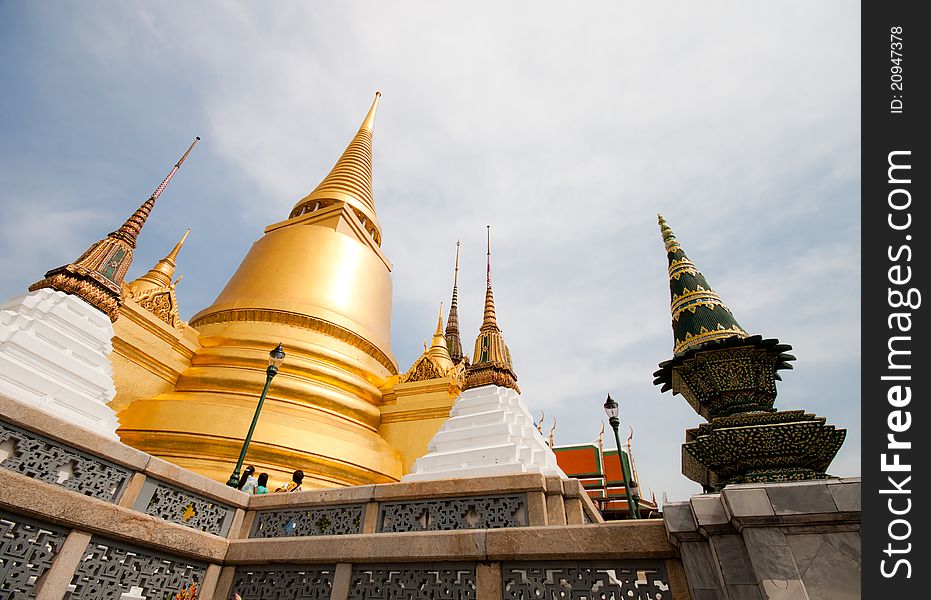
x=369 y=122
x=439 y=321
x=173 y=255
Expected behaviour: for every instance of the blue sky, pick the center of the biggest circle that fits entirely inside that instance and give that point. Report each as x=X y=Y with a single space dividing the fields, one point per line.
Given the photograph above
x=567 y=128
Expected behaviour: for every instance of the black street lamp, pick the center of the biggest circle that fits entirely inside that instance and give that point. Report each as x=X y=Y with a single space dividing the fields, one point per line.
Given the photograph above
x=633 y=509
x=275 y=358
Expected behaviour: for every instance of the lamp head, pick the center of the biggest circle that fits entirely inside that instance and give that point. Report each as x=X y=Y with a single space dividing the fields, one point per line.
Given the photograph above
x=276 y=357
x=611 y=407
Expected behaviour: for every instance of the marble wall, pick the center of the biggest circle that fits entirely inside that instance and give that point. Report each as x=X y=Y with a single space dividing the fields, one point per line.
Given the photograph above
x=791 y=541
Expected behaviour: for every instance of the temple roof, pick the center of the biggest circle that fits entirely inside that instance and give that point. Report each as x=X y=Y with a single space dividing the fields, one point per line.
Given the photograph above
x=350 y=179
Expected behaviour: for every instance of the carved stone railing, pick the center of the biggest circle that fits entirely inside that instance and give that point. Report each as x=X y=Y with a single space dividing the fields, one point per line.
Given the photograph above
x=160 y=528
x=109 y=567
x=578 y=580
x=39 y=457
x=184 y=507
x=450 y=581
x=477 y=512
x=284 y=582
x=318 y=520
x=27 y=549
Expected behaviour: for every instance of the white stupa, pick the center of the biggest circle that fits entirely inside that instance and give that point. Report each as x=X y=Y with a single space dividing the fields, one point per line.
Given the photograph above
x=489 y=430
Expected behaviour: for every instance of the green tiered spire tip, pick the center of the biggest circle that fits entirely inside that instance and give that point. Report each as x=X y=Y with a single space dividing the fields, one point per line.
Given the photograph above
x=699 y=315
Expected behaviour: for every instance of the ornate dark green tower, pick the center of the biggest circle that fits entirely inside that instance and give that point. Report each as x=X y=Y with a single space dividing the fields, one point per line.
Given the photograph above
x=729 y=378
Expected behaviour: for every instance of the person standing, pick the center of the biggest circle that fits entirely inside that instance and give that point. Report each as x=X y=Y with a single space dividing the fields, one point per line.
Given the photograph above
x=262 y=487
x=248 y=481
x=295 y=484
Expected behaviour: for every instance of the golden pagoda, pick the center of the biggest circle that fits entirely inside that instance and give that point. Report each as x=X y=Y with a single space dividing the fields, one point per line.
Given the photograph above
x=318 y=283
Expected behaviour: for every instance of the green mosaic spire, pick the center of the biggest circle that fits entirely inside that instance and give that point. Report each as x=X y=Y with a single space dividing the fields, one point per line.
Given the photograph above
x=699 y=315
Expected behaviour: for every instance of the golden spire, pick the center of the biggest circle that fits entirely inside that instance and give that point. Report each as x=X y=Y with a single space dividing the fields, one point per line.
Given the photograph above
x=350 y=180
x=453 y=342
x=438 y=348
x=97 y=275
x=435 y=361
x=491 y=363
x=159 y=276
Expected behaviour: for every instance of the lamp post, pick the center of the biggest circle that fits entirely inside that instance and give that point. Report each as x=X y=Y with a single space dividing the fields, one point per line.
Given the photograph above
x=275 y=358
x=633 y=510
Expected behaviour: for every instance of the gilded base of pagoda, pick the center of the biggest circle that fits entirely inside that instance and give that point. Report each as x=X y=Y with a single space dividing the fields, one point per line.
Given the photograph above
x=757 y=447
x=321 y=414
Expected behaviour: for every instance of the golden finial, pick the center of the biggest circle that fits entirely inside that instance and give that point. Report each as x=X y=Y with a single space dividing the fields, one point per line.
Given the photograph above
x=174 y=251
x=435 y=361
x=669 y=238
x=369 y=122
x=552 y=432
x=350 y=180
x=160 y=275
x=488 y=233
x=540 y=422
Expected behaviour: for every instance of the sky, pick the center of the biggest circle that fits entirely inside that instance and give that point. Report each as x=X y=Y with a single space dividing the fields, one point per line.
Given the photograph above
x=565 y=126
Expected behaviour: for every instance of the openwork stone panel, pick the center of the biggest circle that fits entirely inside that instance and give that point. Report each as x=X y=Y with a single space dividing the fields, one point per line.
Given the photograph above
x=27 y=548
x=570 y=580
x=283 y=582
x=40 y=458
x=174 y=504
x=445 y=581
x=110 y=569
x=327 y=520
x=481 y=512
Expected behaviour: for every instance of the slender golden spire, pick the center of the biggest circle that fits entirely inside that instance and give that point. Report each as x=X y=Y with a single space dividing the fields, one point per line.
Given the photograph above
x=489 y=321
x=435 y=361
x=350 y=179
x=161 y=274
x=438 y=345
x=97 y=275
x=491 y=363
x=453 y=342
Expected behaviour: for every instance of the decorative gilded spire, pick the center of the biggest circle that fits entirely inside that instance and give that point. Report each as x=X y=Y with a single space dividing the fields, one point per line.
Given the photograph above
x=350 y=180
x=97 y=275
x=491 y=363
x=453 y=342
x=155 y=291
x=161 y=274
x=699 y=315
x=437 y=347
x=435 y=361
